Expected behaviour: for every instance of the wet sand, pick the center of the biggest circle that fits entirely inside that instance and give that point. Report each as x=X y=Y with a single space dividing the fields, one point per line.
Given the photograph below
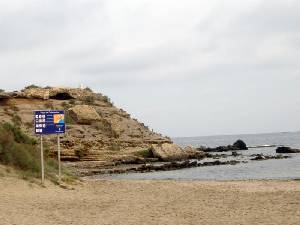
x=151 y=202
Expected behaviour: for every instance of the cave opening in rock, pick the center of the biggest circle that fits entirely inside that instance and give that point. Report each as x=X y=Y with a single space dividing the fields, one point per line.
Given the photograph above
x=62 y=96
x=4 y=101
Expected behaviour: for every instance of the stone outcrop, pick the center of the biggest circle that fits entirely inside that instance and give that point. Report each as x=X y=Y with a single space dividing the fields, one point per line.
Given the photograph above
x=150 y=167
x=283 y=149
x=96 y=130
x=260 y=157
x=238 y=145
x=84 y=114
x=172 y=152
x=59 y=93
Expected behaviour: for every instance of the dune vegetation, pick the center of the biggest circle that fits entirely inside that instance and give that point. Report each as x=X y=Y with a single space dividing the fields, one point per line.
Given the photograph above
x=21 y=152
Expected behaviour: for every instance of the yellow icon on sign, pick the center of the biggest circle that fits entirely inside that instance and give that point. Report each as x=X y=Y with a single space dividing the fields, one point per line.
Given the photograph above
x=59 y=118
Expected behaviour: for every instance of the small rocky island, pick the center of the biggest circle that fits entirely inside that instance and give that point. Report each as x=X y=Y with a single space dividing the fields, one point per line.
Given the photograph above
x=238 y=145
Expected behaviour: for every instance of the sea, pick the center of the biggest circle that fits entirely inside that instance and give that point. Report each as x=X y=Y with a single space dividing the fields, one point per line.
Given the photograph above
x=275 y=169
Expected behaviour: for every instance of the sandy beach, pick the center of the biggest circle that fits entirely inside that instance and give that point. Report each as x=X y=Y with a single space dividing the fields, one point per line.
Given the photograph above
x=150 y=202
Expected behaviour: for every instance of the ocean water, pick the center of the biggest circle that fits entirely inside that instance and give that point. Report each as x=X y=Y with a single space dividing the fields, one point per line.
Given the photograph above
x=267 y=169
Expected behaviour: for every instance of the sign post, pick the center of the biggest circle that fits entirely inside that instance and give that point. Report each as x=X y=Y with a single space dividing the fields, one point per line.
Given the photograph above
x=42 y=160
x=48 y=122
x=58 y=155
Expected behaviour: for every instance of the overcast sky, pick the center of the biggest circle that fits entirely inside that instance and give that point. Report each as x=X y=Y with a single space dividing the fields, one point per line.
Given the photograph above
x=185 y=68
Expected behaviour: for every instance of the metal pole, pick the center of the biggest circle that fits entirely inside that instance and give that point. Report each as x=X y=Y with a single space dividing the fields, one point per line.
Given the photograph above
x=42 y=160
x=58 y=153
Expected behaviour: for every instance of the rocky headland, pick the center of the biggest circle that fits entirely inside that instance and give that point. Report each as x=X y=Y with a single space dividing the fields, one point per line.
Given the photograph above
x=98 y=134
x=103 y=139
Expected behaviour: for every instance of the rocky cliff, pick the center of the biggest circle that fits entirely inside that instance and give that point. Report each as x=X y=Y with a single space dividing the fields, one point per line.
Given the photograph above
x=96 y=129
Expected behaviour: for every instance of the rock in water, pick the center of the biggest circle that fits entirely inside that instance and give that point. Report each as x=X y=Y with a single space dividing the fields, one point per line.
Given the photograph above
x=240 y=145
x=284 y=149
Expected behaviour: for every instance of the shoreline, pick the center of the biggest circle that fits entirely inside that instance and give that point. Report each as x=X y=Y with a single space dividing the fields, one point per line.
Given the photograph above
x=150 y=202
x=106 y=178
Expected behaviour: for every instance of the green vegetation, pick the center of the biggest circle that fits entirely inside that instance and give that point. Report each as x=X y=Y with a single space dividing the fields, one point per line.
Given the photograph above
x=1 y=90
x=107 y=100
x=31 y=86
x=21 y=152
x=16 y=119
x=18 y=150
x=14 y=108
x=88 y=89
x=145 y=153
x=89 y=100
x=68 y=118
x=115 y=146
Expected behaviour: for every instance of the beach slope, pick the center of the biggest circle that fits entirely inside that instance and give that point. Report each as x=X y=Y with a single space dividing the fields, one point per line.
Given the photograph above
x=151 y=202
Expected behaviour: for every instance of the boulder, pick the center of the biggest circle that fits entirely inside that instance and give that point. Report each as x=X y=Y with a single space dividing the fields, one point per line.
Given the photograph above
x=173 y=152
x=84 y=114
x=240 y=145
x=284 y=149
x=37 y=93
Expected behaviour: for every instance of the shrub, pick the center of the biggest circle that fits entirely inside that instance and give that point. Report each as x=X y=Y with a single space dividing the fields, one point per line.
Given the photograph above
x=1 y=90
x=18 y=150
x=115 y=147
x=145 y=153
x=17 y=134
x=68 y=118
x=88 y=89
x=14 y=108
x=17 y=121
x=89 y=100
x=21 y=152
x=31 y=86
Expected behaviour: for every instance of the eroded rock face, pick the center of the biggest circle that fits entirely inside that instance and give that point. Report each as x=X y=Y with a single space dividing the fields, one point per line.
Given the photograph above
x=173 y=152
x=54 y=93
x=36 y=93
x=97 y=131
x=84 y=114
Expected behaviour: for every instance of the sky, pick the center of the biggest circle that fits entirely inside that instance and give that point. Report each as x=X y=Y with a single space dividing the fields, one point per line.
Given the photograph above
x=184 y=68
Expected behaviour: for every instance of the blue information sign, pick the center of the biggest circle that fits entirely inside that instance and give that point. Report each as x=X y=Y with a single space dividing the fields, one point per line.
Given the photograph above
x=49 y=122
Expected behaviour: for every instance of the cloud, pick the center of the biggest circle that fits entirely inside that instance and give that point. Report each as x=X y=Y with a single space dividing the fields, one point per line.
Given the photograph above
x=219 y=51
